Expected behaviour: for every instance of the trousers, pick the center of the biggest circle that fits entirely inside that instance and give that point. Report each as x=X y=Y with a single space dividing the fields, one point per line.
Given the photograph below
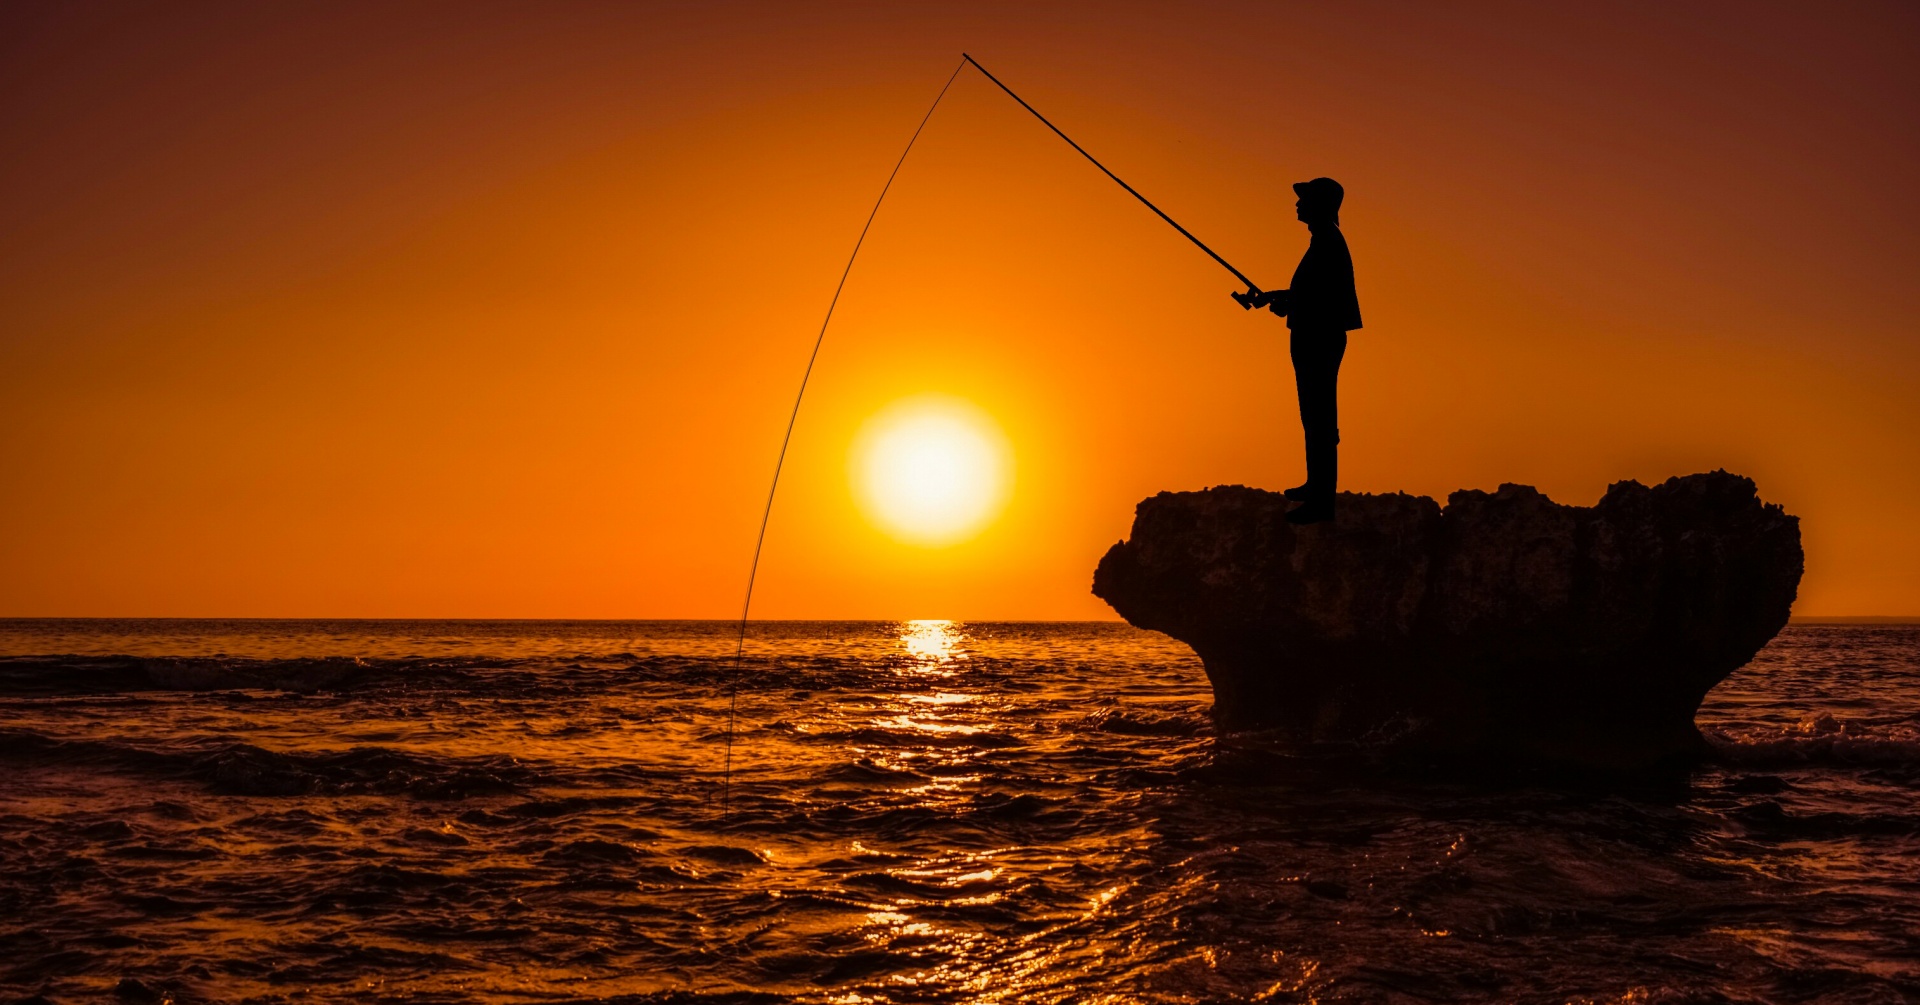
x=1316 y=373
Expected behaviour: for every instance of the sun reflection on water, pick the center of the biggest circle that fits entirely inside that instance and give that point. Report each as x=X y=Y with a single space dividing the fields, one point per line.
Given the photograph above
x=932 y=643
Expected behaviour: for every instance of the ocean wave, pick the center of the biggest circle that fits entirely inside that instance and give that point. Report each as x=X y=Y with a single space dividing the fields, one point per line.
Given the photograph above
x=42 y=676
x=58 y=675
x=909 y=737
x=1145 y=722
x=1822 y=739
x=242 y=769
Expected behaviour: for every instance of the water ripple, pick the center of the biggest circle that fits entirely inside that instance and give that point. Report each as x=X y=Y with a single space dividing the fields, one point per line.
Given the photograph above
x=929 y=812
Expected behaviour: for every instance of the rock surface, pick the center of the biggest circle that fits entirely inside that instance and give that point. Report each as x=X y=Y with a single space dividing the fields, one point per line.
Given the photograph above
x=1505 y=623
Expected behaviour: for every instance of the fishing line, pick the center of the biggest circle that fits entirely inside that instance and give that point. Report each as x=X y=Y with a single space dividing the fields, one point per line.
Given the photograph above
x=753 y=571
x=739 y=652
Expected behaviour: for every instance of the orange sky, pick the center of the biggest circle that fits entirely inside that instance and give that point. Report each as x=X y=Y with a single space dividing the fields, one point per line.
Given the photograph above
x=472 y=311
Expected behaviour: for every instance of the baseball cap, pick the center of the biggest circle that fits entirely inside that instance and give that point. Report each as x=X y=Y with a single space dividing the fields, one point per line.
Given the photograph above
x=1321 y=190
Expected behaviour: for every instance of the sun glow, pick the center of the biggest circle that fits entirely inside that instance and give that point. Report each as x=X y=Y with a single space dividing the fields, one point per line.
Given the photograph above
x=931 y=470
x=930 y=641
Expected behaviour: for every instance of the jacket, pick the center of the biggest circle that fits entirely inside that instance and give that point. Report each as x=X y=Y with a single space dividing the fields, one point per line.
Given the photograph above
x=1322 y=297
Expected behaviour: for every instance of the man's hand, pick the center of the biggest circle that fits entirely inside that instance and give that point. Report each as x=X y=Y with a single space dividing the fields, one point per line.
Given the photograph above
x=1273 y=300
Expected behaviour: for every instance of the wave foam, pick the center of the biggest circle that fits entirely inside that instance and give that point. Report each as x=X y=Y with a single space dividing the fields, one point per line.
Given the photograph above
x=1819 y=739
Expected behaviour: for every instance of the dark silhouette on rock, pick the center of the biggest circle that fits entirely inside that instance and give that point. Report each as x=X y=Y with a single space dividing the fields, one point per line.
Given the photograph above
x=1321 y=307
x=1505 y=623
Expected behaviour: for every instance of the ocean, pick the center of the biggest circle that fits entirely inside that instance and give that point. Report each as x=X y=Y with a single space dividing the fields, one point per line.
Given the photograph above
x=929 y=811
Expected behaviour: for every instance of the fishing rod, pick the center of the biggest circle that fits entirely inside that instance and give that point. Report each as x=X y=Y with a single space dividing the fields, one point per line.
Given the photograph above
x=1245 y=300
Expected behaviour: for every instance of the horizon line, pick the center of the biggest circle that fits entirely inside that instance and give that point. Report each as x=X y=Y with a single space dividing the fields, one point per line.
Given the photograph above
x=1805 y=619
x=717 y=620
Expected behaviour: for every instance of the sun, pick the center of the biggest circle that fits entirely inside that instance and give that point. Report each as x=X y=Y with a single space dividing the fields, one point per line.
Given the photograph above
x=931 y=470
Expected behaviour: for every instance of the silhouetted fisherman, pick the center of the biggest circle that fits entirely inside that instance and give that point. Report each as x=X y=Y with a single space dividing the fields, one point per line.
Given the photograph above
x=1321 y=307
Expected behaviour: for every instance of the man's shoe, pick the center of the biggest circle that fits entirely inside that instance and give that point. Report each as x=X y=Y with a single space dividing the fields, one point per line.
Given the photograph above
x=1299 y=493
x=1313 y=511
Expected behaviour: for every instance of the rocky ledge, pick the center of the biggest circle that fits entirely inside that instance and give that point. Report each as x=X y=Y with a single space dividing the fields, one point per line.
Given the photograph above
x=1504 y=623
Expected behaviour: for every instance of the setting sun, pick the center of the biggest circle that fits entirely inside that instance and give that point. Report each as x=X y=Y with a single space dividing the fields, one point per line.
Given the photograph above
x=931 y=470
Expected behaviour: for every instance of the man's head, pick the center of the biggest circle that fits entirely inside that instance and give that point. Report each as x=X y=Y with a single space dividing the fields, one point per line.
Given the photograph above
x=1319 y=201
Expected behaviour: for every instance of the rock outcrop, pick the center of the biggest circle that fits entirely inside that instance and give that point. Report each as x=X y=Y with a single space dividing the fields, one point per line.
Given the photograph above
x=1505 y=623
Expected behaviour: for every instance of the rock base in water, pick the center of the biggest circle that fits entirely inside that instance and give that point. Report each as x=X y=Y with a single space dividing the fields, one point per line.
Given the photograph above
x=1504 y=623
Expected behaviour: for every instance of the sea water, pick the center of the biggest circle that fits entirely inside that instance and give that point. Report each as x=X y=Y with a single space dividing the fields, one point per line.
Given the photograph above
x=462 y=811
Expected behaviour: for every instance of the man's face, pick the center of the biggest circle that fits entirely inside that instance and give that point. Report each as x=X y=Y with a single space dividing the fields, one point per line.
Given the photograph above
x=1300 y=209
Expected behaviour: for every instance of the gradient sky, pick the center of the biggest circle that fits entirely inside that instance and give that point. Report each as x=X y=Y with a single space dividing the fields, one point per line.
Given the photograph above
x=497 y=311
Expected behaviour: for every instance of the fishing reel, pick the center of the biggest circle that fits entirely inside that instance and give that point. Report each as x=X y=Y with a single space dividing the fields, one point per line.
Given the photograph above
x=1273 y=300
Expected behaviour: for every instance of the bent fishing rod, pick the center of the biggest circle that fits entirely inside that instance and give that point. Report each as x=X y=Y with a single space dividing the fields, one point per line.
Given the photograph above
x=1247 y=301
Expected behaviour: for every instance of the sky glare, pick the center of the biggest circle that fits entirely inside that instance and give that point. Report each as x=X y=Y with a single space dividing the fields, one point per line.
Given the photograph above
x=482 y=310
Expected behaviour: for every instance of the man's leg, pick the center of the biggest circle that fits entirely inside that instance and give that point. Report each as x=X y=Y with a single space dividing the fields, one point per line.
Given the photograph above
x=1316 y=373
x=1326 y=433
x=1316 y=369
x=1308 y=382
